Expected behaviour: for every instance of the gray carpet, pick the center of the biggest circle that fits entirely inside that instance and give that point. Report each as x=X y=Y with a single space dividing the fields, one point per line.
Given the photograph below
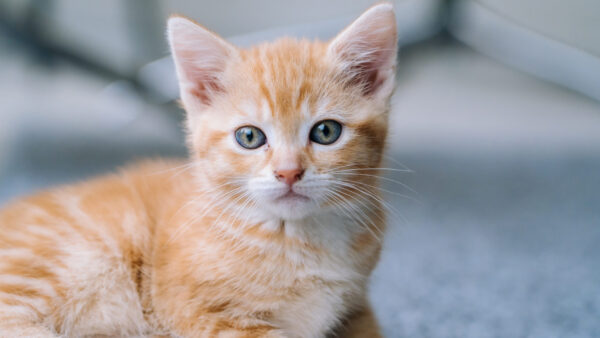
x=493 y=248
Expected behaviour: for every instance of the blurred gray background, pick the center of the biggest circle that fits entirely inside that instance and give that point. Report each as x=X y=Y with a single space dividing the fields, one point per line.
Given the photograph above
x=494 y=233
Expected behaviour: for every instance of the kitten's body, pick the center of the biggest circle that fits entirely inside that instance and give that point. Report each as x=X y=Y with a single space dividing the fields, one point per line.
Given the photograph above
x=113 y=272
x=202 y=250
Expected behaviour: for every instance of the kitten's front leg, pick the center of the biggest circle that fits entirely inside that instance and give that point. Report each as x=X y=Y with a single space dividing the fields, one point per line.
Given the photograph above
x=359 y=324
x=216 y=326
x=23 y=329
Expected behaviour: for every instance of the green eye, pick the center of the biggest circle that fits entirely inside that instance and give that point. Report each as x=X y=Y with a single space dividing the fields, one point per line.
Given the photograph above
x=250 y=137
x=325 y=132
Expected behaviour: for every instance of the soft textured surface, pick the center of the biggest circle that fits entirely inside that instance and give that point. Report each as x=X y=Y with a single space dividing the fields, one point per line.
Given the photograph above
x=495 y=248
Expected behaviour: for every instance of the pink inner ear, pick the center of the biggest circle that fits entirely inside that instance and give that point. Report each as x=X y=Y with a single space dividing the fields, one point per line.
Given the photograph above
x=201 y=72
x=200 y=57
x=204 y=88
x=367 y=73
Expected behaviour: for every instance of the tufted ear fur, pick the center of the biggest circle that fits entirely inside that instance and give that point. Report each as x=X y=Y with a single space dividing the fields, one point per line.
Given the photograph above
x=200 y=58
x=366 y=51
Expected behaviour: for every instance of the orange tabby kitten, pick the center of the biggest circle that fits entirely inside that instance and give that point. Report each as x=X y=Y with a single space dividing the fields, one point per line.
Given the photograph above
x=273 y=228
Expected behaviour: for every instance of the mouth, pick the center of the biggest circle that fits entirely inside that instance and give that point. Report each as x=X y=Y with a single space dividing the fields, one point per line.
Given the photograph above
x=292 y=205
x=292 y=196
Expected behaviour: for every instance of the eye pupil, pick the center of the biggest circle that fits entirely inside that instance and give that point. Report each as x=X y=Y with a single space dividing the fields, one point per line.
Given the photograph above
x=249 y=135
x=324 y=129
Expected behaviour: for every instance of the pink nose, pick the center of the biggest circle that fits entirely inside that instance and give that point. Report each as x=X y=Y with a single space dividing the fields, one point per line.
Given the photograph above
x=289 y=176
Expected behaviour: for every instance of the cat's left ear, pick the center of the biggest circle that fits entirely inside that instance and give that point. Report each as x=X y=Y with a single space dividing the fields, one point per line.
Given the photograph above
x=366 y=51
x=201 y=58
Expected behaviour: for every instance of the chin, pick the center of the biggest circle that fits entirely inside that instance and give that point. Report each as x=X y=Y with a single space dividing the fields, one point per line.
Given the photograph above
x=293 y=207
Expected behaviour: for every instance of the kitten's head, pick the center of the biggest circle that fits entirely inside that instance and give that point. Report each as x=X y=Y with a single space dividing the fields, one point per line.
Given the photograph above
x=288 y=128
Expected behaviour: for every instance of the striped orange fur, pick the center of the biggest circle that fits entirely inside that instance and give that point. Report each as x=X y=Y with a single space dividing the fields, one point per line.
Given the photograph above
x=275 y=241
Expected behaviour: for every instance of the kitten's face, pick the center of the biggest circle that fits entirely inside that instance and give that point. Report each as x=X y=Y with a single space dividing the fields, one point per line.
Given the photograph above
x=289 y=129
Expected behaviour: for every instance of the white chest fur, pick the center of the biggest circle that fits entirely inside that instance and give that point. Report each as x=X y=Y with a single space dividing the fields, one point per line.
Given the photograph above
x=332 y=280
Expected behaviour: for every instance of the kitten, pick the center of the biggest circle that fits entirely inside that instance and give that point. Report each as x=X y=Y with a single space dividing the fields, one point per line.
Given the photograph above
x=271 y=230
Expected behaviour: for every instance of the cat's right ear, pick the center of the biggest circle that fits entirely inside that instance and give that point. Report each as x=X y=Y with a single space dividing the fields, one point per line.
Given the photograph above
x=200 y=58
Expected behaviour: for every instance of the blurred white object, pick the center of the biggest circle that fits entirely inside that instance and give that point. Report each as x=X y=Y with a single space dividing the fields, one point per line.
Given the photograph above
x=562 y=62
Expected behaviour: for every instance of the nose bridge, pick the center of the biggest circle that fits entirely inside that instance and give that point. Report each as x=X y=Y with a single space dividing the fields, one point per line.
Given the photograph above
x=287 y=130
x=287 y=151
x=287 y=158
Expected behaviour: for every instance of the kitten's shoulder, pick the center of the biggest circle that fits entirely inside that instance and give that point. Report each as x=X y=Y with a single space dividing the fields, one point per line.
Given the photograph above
x=149 y=180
